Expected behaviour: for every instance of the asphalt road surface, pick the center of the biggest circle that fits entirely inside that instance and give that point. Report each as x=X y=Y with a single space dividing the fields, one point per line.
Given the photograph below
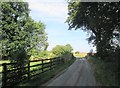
x=78 y=74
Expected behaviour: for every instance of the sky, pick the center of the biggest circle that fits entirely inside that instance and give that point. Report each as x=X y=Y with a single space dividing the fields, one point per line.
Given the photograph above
x=53 y=13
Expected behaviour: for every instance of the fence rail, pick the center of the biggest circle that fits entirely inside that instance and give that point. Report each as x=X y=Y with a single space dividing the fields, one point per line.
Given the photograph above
x=11 y=77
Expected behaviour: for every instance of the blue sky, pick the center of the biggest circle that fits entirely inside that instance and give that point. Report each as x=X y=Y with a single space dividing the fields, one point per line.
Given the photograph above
x=53 y=13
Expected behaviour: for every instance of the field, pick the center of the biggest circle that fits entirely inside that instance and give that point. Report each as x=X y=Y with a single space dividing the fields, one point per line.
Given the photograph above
x=82 y=54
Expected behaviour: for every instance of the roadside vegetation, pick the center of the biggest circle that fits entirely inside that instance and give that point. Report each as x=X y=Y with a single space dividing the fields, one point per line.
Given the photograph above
x=105 y=72
x=23 y=39
x=68 y=59
x=61 y=51
x=100 y=20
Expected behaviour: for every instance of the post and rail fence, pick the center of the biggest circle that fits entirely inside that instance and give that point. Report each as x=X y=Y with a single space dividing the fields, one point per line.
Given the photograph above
x=0 y=76
x=13 y=76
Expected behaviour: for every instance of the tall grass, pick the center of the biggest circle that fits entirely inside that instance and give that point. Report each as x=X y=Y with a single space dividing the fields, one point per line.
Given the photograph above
x=105 y=72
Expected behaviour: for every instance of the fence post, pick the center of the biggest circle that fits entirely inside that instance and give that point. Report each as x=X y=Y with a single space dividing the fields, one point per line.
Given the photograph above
x=53 y=63
x=60 y=60
x=4 y=76
x=28 y=70
x=42 y=65
x=50 y=64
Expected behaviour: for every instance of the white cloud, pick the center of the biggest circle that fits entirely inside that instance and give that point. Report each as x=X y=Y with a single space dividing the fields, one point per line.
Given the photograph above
x=49 y=9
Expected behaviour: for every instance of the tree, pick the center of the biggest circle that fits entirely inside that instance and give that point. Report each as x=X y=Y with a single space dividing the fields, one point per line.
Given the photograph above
x=43 y=54
x=90 y=53
x=46 y=46
x=13 y=19
x=69 y=48
x=19 y=32
x=61 y=50
x=100 y=19
x=58 y=50
x=37 y=38
x=77 y=52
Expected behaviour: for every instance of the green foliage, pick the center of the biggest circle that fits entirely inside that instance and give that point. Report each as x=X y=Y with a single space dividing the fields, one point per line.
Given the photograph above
x=46 y=46
x=77 y=52
x=43 y=54
x=58 y=50
x=61 y=50
x=100 y=20
x=68 y=48
x=11 y=25
x=19 y=33
x=105 y=72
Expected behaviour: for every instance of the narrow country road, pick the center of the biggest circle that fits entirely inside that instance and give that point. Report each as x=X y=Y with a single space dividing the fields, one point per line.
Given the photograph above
x=78 y=74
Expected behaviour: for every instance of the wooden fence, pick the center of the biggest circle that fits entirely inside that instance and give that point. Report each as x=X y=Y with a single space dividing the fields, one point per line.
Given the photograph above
x=0 y=76
x=13 y=76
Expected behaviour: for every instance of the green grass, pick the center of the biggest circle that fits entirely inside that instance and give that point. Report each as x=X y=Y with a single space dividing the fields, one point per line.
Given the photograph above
x=47 y=76
x=34 y=63
x=104 y=72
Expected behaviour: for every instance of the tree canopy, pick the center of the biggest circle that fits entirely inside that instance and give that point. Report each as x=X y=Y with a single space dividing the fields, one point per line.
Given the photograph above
x=19 y=33
x=61 y=50
x=101 y=20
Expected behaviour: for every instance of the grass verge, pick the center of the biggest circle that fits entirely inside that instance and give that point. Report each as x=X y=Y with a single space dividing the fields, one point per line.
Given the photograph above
x=105 y=72
x=43 y=78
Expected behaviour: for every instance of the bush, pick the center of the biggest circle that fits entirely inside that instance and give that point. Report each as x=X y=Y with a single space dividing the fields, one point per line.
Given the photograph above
x=105 y=72
x=61 y=50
